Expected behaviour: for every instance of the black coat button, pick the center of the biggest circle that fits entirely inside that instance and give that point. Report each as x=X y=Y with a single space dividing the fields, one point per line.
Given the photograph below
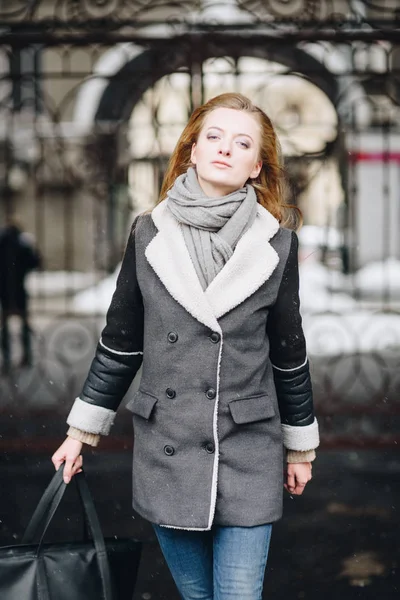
x=169 y=451
x=170 y=393
x=210 y=448
x=211 y=393
x=172 y=337
x=215 y=337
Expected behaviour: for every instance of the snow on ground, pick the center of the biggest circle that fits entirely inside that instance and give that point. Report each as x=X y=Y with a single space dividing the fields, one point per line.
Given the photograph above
x=316 y=281
x=96 y=299
x=56 y=283
x=311 y=236
x=346 y=327
x=334 y=322
x=377 y=276
x=317 y=287
x=351 y=332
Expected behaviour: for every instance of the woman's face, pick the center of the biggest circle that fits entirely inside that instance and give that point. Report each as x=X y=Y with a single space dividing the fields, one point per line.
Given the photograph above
x=227 y=151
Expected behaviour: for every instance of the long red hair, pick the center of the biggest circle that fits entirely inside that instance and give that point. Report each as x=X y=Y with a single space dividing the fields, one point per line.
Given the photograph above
x=269 y=185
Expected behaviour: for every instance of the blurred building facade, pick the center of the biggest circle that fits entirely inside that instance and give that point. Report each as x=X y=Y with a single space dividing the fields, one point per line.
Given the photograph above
x=93 y=97
x=92 y=107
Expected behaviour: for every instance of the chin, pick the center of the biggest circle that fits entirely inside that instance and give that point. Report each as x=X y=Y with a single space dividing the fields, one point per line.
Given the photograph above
x=223 y=178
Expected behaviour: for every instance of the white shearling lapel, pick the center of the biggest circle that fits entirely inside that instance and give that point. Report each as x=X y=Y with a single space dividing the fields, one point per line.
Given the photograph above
x=251 y=264
x=169 y=257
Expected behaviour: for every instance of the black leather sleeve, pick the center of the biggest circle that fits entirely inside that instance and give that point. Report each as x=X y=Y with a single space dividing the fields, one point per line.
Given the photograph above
x=119 y=352
x=288 y=348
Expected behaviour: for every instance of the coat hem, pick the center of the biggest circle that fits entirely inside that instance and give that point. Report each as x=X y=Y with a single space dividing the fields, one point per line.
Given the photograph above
x=185 y=528
x=146 y=515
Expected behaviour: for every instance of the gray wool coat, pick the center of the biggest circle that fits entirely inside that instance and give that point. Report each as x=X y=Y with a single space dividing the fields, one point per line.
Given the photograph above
x=208 y=429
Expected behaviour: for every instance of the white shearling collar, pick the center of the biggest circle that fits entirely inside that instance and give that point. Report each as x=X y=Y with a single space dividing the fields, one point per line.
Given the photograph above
x=252 y=263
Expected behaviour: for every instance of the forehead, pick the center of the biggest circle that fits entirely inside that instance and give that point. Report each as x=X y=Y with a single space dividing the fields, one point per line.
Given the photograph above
x=232 y=120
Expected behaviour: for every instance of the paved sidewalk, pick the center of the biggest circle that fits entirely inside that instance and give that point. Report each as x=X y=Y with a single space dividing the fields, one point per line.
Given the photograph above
x=338 y=541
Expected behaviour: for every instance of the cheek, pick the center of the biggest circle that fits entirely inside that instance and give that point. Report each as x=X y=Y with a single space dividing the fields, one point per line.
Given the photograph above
x=199 y=154
x=250 y=164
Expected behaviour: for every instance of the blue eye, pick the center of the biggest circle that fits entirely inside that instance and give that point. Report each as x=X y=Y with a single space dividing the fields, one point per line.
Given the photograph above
x=212 y=137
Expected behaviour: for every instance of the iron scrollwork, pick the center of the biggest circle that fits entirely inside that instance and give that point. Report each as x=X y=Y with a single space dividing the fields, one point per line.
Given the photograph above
x=118 y=13
x=282 y=9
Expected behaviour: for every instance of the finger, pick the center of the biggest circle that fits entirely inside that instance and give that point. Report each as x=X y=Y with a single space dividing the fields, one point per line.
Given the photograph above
x=68 y=470
x=57 y=461
x=77 y=465
x=78 y=461
x=291 y=483
x=300 y=485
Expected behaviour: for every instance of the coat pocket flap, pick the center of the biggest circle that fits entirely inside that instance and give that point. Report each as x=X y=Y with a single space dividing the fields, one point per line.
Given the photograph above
x=142 y=404
x=249 y=410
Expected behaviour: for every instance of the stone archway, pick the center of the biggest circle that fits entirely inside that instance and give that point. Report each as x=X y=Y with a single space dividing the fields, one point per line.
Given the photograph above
x=125 y=73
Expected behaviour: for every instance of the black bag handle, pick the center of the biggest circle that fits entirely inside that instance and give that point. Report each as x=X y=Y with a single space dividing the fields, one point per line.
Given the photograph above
x=43 y=507
x=46 y=509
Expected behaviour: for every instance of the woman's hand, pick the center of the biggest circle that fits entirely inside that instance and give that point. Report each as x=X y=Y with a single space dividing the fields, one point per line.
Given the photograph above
x=297 y=477
x=70 y=453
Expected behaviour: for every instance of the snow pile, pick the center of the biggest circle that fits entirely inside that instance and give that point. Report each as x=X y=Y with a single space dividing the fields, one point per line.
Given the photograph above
x=353 y=332
x=57 y=283
x=345 y=327
x=312 y=236
x=379 y=276
x=96 y=299
x=334 y=322
x=315 y=295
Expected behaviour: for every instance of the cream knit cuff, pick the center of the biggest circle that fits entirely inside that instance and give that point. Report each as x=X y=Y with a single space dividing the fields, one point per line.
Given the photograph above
x=83 y=436
x=296 y=456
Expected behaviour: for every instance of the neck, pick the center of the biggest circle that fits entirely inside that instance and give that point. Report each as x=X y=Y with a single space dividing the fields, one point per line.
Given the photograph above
x=214 y=191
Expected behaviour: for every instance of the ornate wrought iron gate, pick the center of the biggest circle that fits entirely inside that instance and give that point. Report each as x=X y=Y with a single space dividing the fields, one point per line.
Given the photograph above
x=93 y=95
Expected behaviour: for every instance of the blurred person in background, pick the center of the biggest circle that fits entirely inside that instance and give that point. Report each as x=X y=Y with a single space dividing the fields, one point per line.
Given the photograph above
x=18 y=257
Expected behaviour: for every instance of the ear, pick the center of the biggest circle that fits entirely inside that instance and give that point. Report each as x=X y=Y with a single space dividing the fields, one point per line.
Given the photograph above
x=256 y=170
x=193 y=154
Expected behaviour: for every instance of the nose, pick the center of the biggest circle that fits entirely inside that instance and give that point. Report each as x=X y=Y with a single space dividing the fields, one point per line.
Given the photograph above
x=224 y=148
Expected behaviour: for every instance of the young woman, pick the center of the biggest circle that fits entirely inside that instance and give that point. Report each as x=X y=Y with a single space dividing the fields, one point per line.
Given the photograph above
x=207 y=298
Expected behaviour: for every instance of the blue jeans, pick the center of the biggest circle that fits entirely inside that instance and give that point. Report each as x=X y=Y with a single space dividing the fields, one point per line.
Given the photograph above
x=226 y=563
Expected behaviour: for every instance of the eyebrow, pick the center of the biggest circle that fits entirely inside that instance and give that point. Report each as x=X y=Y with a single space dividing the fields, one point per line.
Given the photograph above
x=219 y=129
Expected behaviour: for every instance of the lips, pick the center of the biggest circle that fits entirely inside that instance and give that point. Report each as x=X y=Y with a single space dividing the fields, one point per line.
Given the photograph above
x=220 y=162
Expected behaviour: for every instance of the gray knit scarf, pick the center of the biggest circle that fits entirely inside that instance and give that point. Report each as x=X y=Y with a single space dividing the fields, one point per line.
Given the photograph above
x=211 y=226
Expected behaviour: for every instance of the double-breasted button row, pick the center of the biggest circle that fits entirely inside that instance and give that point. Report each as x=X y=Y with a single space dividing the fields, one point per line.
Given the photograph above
x=170 y=450
x=173 y=337
x=210 y=393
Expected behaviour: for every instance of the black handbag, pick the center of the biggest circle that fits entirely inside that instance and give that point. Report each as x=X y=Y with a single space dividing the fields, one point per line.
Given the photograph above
x=92 y=569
